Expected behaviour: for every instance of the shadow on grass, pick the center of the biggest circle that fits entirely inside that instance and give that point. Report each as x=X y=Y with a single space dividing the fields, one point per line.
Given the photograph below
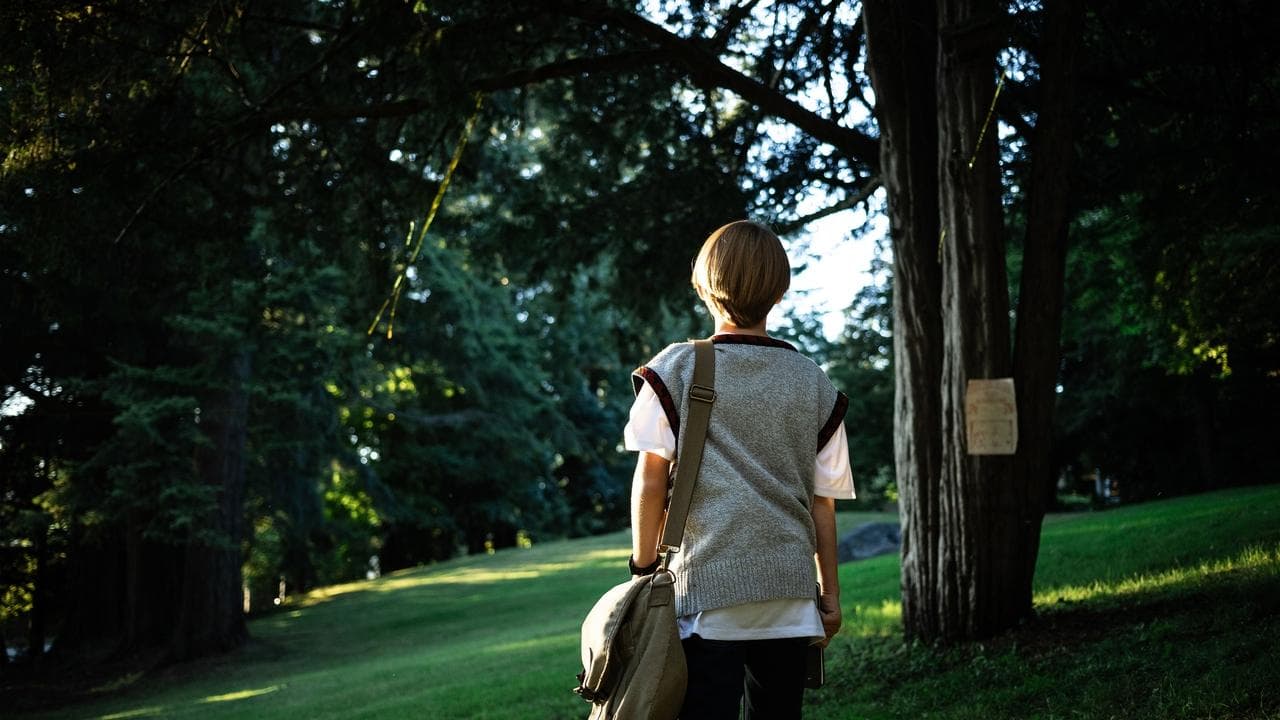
x=1197 y=643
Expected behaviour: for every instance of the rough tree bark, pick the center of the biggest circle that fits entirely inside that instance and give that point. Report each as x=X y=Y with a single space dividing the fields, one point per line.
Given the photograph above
x=1040 y=297
x=901 y=37
x=976 y=502
x=970 y=523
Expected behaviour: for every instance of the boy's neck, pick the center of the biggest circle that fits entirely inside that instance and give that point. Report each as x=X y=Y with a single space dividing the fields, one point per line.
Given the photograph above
x=723 y=326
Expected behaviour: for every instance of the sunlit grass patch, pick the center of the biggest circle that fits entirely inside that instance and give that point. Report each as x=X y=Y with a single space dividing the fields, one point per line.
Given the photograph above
x=474 y=575
x=239 y=694
x=151 y=711
x=536 y=643
x=882 y=620
x=1252 y=561
x=505 y=566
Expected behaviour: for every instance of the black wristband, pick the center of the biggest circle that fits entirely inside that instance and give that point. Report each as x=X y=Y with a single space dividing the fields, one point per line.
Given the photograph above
x=647 y=570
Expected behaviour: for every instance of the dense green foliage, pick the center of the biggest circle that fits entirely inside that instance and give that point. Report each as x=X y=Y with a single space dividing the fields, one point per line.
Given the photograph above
x=1163 y=610
x=206 y=203
x=860 y=362
x=1171 y=343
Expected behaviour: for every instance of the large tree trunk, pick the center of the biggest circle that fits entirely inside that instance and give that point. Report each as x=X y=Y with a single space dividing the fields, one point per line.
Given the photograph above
x=211 y=606
x=901 y=37
x=1036 y=349
x=977 y=504
x=970 y=523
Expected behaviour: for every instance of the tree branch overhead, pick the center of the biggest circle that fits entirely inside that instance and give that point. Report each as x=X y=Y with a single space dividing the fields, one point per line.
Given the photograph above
x=707 y=68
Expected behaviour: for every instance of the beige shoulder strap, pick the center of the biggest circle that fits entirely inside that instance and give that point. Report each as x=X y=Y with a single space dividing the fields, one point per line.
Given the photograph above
x=701 y=396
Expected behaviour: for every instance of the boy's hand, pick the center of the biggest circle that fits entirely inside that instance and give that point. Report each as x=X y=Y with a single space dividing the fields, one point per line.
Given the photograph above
x=829 y=610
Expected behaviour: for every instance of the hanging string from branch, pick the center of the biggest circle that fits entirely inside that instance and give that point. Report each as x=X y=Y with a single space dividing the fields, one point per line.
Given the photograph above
x=393 y=299
x=982 y=134
x=991 y=111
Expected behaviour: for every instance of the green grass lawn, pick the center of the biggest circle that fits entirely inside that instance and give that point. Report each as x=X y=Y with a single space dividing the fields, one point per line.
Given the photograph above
x=1167 y=609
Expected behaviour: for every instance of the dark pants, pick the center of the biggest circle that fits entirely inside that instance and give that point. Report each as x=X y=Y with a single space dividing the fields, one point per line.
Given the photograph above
x=769 y=672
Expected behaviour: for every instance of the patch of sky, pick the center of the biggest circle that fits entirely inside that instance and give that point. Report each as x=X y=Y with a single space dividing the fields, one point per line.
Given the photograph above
x=1018 y=64
x=15 y=403
x=1025 y=6
x=834 y=255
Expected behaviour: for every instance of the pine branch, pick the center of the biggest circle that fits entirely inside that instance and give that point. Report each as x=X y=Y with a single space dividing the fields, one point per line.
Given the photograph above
x=619 y=62
x=732 y=21
x=847 y=203
x=707 y=68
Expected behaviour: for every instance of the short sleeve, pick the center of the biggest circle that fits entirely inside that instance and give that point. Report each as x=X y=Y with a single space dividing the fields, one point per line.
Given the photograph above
x=648 y=429
x=831 y=475
x=834 y=419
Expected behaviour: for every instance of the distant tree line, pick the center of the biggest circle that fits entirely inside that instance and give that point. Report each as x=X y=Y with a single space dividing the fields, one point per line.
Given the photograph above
x=203 y=205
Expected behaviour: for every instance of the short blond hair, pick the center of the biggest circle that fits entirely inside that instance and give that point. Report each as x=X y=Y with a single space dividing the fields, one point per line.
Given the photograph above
x=742 y=271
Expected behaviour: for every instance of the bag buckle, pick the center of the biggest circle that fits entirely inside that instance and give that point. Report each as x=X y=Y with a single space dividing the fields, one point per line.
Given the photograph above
x=702 y=393
x=666 y=551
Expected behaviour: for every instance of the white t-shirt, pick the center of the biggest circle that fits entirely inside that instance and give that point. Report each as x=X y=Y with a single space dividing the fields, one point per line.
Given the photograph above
x=648 y=430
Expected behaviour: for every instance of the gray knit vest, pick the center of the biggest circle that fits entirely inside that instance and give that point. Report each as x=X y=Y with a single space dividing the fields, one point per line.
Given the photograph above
x=750 y=534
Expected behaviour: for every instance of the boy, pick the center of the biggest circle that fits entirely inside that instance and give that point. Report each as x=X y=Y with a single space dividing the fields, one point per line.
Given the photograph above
x=761 y=524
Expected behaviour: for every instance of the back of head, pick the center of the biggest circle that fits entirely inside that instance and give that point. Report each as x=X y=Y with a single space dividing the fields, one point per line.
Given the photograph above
x=742 y=271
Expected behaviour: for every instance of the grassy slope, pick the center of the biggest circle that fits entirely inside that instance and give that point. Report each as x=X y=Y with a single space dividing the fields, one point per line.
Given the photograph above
x=1167 y=609
x=1164 y=610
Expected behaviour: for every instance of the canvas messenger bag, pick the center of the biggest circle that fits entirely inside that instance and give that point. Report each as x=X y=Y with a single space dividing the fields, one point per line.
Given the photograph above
x=632 y=659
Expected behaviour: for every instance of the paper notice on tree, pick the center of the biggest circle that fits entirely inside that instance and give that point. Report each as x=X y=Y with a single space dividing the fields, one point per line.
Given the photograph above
x=991 y=417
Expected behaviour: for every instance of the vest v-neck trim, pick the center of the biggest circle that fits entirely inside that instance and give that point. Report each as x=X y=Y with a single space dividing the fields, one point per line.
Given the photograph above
x=740 y=339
